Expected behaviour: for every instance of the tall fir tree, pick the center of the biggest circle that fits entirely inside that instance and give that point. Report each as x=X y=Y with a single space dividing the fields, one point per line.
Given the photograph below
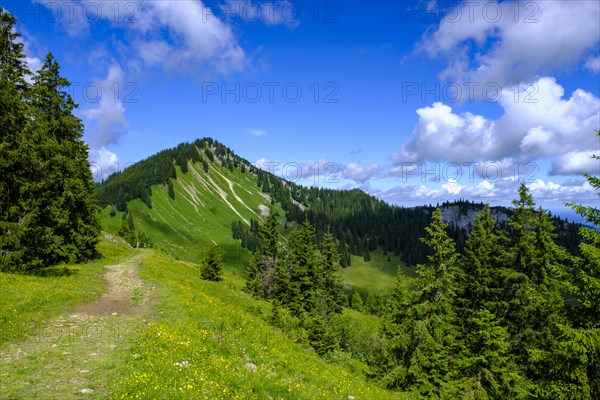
x=66 y=223
x=297 y=271
x=578 y=357
x=263 y=265
x=531 y=306
x=419 y=327
x=328 y=280
x=14 y=114
x=47 y=211
x=483 y=367
x=212 y=268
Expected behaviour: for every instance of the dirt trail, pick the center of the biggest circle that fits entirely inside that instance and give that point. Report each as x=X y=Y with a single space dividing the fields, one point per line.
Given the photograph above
x=75 y=354
x=122 y=280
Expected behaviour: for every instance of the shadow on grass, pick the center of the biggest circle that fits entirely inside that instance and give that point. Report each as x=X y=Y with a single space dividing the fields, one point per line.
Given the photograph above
x=56 y=271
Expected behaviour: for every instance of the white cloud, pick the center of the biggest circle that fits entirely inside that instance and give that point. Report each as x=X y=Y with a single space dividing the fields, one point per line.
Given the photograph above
x=181 y=36
x=186 y=36
x=499 y=192
x=103 y=111
x=541 y=124
x=258 y=132
x=33 y=63
x=593 y=64
x=510 y=42
x=359 y=173
x=103 y=162
x=576 y=162
x=268 y=165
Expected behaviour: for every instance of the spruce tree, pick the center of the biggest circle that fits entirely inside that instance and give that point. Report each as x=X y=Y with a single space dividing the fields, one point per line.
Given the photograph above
x=484 y=367
x=578 y=357
x=328 y=280
x=419 y=327
x=14 y=114
x=262 y=269
x=297 y=273
x=212 y=269
x=49 y=214
x=65 y=183
x=357 y=301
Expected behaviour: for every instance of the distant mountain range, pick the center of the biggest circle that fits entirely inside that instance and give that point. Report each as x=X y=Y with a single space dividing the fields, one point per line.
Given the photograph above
x=194 y=192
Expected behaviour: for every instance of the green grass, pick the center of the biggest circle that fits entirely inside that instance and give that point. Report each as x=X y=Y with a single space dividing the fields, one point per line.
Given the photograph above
x=28 y=300
x=207 y=332
x=378 y=275
x=110 y=224
x=186 y=227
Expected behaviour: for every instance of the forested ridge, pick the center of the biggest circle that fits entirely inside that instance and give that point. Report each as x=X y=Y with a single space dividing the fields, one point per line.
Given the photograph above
x=360 y=222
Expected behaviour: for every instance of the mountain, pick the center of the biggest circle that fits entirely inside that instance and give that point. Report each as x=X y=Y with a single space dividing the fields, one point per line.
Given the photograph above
x=188 y=197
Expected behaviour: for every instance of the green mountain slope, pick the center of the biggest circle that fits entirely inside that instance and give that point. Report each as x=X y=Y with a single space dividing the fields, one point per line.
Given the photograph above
x=186 y=198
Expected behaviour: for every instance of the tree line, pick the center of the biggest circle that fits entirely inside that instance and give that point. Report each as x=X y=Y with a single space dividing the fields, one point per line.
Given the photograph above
x=512 y=315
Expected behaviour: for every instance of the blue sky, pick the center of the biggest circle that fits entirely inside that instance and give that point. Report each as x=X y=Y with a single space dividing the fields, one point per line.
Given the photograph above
x=413 y=101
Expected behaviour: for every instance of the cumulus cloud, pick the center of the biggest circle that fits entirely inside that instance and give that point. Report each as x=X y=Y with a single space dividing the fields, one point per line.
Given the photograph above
x=575 y=162
x=498 y=192
x=509 y=42
x=180 y=36
x=103 y=111
x=538 y=121
x=103 y=162
x=359 y=173
x=186 y=36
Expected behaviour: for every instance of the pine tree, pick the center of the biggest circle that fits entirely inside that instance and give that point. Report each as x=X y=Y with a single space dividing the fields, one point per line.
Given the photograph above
x=478 y=264
x=127 y=229
x=328 y=280
x=54 y=203
x=357 y=301
x=419 y=327
x=578 y=357
x=14 y=114
x=483 y=367
x=263 y=266
x=297 y=272
x=212 y=269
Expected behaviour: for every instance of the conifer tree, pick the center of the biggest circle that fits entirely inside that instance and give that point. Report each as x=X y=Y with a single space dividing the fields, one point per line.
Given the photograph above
x=328 y=280
x=419 y=326
x=263 y=265
x=578 y=355
x=66 y=184
x=478 y=263
x=127 y=229
x=212 y=269
x=357 y=301
x=14 y=114
x=50 y=213
x=297 y=273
